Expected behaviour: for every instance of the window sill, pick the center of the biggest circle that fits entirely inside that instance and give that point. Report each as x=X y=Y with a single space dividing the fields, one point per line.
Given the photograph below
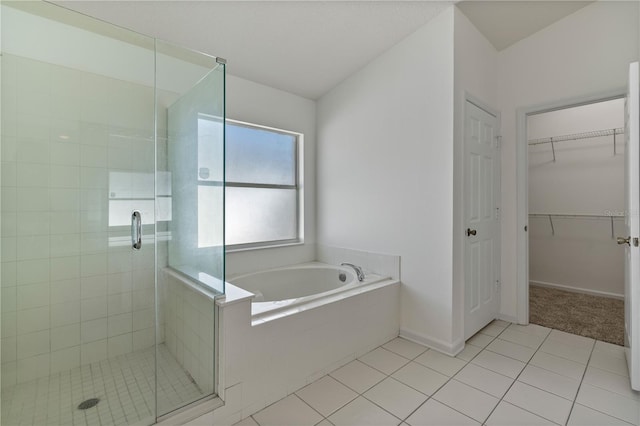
x=265 y=246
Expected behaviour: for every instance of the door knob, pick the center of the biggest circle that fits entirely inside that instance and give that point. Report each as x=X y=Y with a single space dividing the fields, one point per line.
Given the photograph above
x=471 y=232
x=624 y=240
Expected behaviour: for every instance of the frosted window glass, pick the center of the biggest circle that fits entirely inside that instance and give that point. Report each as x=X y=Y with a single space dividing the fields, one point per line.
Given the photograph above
x=256 y=155
x=210 y=144
x=209 y=216
x=260 y=214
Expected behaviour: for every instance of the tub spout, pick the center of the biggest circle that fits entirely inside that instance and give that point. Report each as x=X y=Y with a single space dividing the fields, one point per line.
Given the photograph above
x=358 y=270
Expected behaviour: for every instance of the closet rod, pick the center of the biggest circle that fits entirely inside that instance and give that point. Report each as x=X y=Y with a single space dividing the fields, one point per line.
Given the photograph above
x=576 y=136
x=577 y=216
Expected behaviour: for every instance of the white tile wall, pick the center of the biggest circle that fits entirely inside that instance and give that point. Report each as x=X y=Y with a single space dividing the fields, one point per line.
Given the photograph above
x=189 y=331
x=67 y=293
x=381 y=264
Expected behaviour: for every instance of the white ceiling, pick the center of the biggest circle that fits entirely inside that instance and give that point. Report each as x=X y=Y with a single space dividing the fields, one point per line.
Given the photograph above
x=504 y=23
x=308 y=47
x=303 y=47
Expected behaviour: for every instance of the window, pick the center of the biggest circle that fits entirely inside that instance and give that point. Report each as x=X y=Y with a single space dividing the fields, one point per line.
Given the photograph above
x=210 y=173
x=262 y=186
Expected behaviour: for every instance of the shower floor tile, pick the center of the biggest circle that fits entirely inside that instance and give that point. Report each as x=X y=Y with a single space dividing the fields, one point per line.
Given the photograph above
x=125 y=386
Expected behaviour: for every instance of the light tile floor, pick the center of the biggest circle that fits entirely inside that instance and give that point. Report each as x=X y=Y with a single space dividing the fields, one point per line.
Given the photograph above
x=506 y=375
x=125 y=386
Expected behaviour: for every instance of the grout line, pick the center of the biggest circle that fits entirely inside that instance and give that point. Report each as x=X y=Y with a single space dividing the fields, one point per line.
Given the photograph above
x=394 y=371
x=584 y=373
x=516 y=379
x=384 y=409
x=337 y=409
x=451 y=378
x=304 y=402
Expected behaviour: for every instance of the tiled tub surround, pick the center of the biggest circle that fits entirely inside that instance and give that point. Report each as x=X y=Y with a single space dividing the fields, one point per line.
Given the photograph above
x=269 y=359
x=73 y=292
x=506 y=375
x=385 y=265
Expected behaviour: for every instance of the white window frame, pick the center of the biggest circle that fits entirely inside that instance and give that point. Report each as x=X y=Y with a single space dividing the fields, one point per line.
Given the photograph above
x=298 y=186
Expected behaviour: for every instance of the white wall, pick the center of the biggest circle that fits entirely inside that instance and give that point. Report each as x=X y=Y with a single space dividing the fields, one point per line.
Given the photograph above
x=385 y=171
x=475 y=74
x=255 y=103
x=586 y=178
x=584 y=54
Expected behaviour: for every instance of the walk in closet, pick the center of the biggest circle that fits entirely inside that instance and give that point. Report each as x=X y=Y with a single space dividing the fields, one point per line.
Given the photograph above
x=576 y=213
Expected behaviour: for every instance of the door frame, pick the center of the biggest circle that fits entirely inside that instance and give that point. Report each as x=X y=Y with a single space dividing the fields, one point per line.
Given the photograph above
x=468 y=97
x=522 y=187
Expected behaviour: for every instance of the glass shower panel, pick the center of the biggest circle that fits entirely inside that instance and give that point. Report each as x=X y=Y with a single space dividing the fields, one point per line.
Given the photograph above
x=190 y=134
x=78 y=156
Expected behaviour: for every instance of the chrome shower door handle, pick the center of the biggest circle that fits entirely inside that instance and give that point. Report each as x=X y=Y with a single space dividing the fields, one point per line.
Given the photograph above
x=136 y=230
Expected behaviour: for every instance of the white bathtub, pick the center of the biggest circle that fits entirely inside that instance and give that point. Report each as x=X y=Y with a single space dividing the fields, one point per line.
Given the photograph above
x=300 y=286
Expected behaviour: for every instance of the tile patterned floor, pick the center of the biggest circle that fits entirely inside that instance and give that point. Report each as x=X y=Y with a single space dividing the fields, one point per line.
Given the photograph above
x=125 y=386
x=506 y=375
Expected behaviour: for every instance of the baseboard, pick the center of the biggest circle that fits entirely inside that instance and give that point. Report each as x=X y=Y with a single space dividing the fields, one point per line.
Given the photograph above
x=578 y=289
x=507 y=318
x=451 y=349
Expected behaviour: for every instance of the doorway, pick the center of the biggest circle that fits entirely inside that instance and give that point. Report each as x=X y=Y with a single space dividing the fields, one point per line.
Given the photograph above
x=575 y=187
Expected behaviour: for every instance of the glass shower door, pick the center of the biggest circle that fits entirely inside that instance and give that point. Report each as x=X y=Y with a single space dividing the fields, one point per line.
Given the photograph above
x=78 y=157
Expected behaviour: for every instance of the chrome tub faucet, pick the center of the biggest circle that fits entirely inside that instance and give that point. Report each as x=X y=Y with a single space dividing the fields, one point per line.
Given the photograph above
x=356 y=268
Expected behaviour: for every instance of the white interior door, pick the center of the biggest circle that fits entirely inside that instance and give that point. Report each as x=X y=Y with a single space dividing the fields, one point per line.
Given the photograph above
x=632 y=207
x=482 y=218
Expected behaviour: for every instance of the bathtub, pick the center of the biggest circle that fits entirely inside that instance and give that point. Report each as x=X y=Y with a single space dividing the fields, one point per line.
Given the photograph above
x=284 y=328
x=294 y=288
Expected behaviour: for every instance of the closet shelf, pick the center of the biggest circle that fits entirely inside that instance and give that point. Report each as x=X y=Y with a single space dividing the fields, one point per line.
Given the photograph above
x=550 y=216
x=576 y=216
x=577 y=136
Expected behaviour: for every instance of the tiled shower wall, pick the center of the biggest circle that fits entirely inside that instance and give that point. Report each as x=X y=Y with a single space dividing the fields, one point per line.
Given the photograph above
x=189 y=334
x=73 y=292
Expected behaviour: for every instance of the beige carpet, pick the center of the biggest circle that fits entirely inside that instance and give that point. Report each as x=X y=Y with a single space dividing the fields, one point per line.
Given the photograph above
x=597 y=317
